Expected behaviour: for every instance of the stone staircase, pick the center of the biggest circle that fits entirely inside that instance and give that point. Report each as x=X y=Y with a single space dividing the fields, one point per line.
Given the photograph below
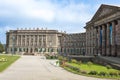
x=113 y=61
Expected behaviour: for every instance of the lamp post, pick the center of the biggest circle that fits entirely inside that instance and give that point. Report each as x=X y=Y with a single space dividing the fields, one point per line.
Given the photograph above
x=13 y=50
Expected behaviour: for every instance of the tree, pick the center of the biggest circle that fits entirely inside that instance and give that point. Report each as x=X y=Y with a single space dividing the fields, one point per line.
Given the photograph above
x=1 y=48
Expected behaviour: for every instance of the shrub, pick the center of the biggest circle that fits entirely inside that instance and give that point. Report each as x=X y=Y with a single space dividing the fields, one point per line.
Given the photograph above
x=113 y=74
x=57 y=62
x=79 y=62
x=73 y=68
x=102 y=73
x=49 y=56
x=119 y=73
x=60 y=62
x=3 y=59
x=89 y=63
x=83 y=72
x=74 y=61
x=65 y=59
x=0 y=60
x=60 y=58
x=93 y=73
x=108 y=67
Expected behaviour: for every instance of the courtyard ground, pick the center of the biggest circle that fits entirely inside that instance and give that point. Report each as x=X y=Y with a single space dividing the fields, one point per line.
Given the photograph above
x=38 y=68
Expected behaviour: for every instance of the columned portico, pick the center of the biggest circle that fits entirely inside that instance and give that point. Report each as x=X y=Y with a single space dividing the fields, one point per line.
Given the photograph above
x=106 y=21
x=107 y=38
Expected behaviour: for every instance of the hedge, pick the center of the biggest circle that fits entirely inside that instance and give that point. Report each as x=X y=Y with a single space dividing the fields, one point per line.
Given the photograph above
x=73 y=68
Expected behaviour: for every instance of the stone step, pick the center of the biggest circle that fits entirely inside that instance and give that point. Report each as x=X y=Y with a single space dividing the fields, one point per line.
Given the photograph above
x=112 y=59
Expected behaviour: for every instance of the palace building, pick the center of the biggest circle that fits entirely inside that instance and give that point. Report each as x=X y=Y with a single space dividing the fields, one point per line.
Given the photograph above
x=102 y=37
x=74 y=44
x=34 y=41
x=103 y=32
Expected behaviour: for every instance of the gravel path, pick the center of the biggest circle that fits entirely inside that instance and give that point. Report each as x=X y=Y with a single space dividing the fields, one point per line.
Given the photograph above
x=37 y=68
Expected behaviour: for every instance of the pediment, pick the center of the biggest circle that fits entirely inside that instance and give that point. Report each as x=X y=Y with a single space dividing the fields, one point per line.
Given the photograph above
x=103 y=11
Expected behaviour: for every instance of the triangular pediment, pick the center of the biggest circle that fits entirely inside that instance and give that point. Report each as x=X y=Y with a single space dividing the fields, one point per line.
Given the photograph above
x=104 y=10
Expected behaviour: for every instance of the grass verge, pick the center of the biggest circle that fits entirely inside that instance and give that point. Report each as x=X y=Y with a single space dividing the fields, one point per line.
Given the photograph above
x=85 y=69
x=6 y=61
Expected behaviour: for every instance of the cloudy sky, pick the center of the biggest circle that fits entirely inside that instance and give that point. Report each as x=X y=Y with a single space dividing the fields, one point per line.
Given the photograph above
x=63 y=15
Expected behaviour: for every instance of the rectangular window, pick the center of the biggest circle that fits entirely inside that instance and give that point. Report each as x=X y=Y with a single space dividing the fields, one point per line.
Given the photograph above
x=110 y=34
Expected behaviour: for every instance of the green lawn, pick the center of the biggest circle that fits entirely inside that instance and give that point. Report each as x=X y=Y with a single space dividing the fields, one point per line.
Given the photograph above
x=7 y=60
x=93 y=67
x=85 y=69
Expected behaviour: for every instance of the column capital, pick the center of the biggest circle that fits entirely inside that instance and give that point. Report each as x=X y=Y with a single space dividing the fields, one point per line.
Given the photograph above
x=108 y=24
x=103 y=27
x=99 y=28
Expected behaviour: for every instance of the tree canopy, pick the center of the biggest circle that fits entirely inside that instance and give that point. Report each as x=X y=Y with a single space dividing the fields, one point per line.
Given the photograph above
x=1 y=47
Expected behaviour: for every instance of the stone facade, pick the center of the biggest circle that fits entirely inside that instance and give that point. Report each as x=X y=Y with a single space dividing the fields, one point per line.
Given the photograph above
x=102 y=37
x=103 y=32
x=74 y=44
x=34 y=41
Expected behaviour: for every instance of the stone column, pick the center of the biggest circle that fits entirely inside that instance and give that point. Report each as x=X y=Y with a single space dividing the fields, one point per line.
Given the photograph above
x=38 y=50
x=99 y=50
x=38 y=40
x=46 y=43
x=41 y=43
x=17 y=41
x=25 y=40
x=103 y=39
x=29 y=50
x=29 y=44
x=18 y=50
x=33 y=50
x=113 y=39
x=29 y=40
x=56 y=43
x=33 y=43
x=118 y=45
x=108 y=43
x=96 y=41
x=33 y=40
x=21 y=40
